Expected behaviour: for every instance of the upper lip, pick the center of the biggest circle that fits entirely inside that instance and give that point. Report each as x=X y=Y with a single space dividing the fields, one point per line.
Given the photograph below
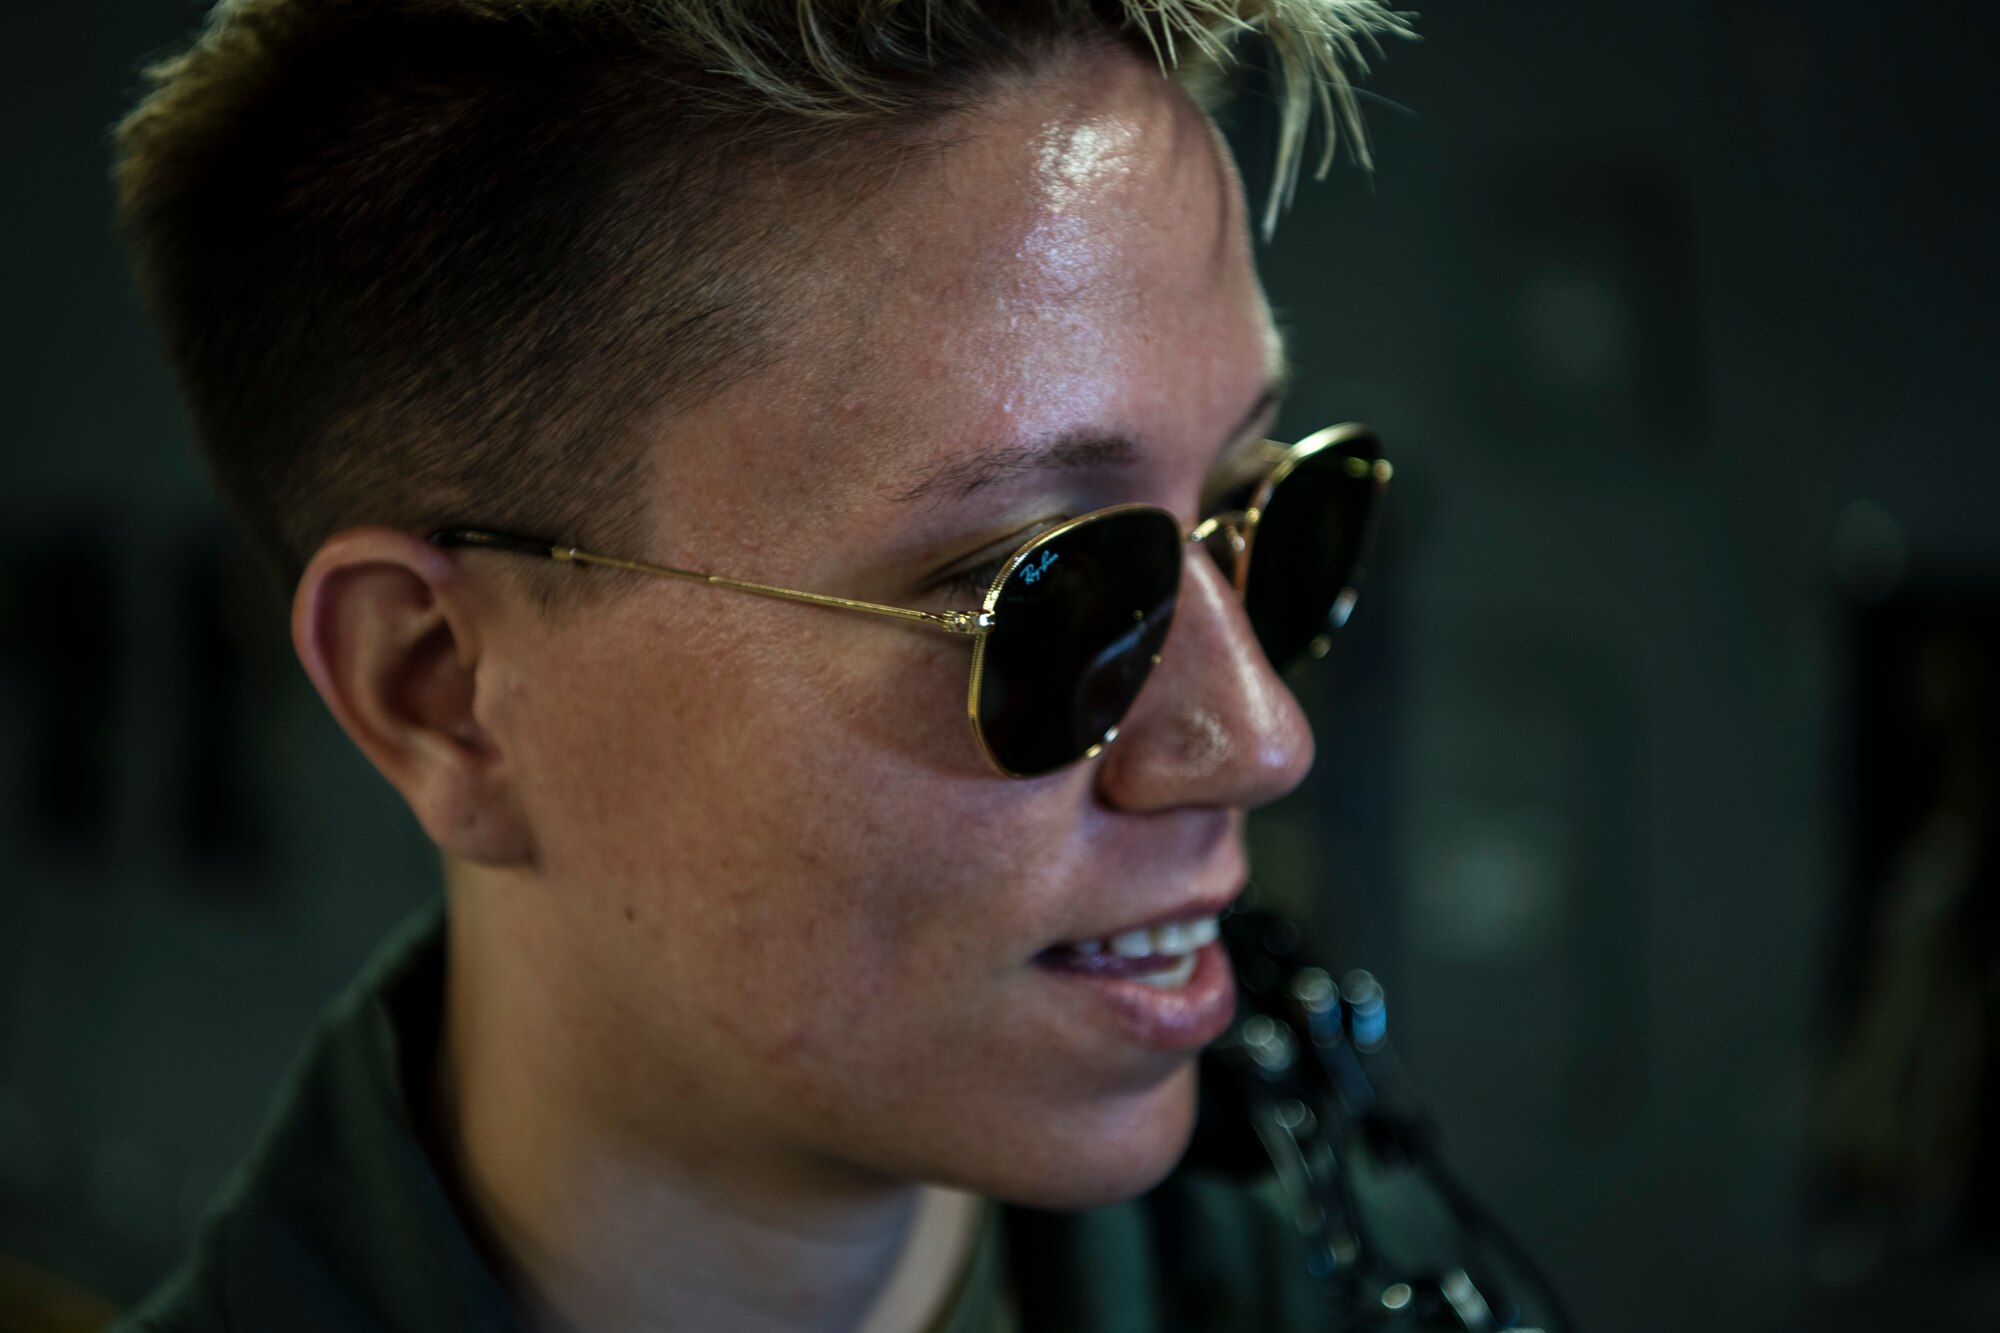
x=1188 y=909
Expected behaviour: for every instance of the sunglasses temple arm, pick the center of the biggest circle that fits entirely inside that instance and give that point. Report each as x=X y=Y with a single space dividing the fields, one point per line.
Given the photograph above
x=951 y=622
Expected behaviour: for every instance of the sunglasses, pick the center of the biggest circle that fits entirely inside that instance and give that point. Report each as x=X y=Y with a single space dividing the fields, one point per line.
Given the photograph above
x=1074 y=619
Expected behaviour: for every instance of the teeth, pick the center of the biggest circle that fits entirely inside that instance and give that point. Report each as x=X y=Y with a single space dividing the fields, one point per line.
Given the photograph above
x=1175 y=939
x=1174 y=977
x=1133 y=943
x=1178 y=938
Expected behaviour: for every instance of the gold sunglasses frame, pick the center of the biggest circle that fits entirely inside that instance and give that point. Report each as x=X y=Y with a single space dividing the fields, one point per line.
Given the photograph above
x=1237 y=529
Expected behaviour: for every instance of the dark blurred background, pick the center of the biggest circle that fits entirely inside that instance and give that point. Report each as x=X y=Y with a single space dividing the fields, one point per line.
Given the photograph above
x=1658 y=770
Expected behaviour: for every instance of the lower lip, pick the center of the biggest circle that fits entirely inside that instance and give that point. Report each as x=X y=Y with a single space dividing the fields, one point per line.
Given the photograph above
x=1184 y=1019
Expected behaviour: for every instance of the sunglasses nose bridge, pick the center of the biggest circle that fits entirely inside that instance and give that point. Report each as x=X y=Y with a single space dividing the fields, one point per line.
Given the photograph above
x=1226 y=539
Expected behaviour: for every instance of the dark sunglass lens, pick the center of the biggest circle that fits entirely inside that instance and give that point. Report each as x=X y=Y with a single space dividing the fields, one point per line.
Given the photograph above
x=1305 y=560
x=1077 y=626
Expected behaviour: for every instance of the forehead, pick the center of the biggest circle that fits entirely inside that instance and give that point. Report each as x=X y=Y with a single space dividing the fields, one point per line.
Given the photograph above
x=1074 y=256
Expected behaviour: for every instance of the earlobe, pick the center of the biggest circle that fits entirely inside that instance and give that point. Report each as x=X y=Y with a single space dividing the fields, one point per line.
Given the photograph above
x=390 y=636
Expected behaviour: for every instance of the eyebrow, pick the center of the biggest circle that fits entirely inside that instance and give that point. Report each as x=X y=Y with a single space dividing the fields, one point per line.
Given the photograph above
x=957 y=478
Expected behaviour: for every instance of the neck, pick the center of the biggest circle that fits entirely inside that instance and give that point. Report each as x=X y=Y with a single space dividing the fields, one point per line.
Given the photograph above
x=598 y=1225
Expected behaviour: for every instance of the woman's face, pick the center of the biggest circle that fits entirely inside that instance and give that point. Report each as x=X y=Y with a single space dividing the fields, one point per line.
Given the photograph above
x=793 y=916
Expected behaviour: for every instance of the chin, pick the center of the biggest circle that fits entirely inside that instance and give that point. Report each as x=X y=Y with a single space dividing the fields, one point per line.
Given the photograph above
x=1103 y=1154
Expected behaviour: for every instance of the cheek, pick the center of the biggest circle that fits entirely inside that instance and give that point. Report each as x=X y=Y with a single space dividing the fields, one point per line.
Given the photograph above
x=717 y=714
x=791 y=831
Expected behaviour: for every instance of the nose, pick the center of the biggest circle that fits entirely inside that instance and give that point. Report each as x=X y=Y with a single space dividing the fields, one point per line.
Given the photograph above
x=1214 y=724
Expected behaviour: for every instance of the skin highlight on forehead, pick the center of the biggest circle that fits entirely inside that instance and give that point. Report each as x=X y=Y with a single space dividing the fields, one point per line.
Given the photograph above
x=1063 y=257
x=1009 y=326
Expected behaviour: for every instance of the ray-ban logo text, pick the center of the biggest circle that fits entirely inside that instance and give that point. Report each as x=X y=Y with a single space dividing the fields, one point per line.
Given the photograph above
x=1032 y=571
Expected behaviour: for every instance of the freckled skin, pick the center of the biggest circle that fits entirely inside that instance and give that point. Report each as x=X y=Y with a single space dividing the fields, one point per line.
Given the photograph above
x=837 y=902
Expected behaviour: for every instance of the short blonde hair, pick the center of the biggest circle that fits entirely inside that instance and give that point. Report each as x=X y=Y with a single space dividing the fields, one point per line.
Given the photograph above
x=421 y=262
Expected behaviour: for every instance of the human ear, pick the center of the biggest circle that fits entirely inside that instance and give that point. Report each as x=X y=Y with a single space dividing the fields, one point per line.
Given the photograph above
x=390 y=634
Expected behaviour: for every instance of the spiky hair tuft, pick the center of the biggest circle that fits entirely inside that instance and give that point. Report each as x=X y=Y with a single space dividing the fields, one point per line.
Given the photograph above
x=1317 y=46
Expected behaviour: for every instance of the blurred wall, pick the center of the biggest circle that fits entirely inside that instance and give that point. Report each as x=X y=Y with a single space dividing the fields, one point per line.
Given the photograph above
x=1679 y=322
x=192 y=858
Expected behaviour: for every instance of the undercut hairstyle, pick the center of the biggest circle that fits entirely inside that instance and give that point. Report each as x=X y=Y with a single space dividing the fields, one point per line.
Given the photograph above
x=430 y=262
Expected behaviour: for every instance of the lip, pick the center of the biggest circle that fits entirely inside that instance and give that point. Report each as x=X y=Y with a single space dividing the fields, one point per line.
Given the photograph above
x=1213 y=905
x=1174 y=1021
